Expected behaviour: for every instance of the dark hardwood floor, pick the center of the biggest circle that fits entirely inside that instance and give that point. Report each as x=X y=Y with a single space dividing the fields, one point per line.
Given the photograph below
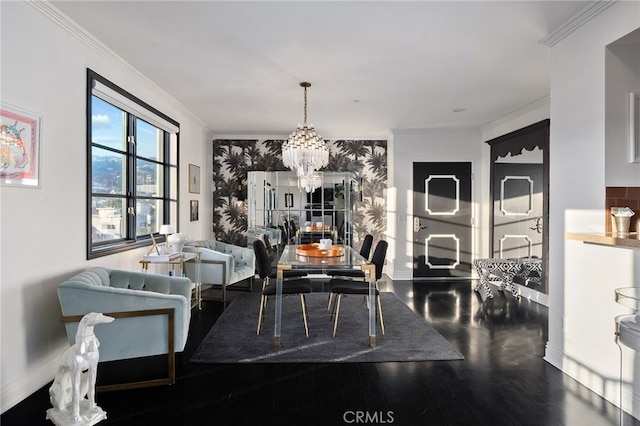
x=502 y=381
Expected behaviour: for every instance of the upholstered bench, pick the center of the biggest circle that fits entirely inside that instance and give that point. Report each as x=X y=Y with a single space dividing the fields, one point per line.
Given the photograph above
x=508 y=272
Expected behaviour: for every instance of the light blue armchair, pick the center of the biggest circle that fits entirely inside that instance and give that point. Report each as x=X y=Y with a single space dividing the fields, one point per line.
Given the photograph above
x=275 y=235
x=152 y=313
x=222 y=264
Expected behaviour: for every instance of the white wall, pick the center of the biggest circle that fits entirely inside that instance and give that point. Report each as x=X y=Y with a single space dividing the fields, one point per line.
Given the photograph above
x=581 y=323
x=43 y=230
x=462 y=145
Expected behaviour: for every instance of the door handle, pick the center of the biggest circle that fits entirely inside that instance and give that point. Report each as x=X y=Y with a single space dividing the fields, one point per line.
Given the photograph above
x=538 y=227
x=416 y=225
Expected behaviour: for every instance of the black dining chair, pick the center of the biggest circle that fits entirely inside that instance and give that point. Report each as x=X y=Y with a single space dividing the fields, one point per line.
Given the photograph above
x=344 y=287
x=293 y=229
x=367 y=243
x=365 y=250
x=292 y=283
x=272 y=275
x=287 y=232
x=271 y=251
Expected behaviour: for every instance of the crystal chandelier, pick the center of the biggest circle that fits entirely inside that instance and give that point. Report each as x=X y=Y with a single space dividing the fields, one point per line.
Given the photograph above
x=305 y=152
x=310 y=182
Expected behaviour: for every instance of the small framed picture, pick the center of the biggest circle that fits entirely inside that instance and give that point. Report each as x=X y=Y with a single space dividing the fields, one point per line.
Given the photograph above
x=19 y=147
x=194 y=179
x=194 y=211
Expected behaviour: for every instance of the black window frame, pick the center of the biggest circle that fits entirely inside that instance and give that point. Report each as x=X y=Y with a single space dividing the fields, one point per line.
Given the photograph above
x=130 y=240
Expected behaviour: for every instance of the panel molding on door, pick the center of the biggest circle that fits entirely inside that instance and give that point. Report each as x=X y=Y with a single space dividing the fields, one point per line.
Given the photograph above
x=529 y=195
x=452 y=212
x=442 y=236
x=512 y=237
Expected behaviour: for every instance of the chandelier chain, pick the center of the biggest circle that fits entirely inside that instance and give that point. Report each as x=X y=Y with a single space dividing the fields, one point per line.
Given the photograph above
x=305 y=105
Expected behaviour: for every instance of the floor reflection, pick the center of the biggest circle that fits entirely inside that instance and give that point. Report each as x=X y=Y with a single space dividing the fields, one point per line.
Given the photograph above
x=488 y=332
x=439 y=302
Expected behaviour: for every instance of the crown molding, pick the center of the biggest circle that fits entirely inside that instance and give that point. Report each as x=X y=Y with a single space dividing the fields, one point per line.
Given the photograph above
x=515 y=114
x=70 y=26
x=576 y=21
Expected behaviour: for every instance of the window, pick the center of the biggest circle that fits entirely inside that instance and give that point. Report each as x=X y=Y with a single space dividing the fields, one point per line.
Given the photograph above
x=132 y=166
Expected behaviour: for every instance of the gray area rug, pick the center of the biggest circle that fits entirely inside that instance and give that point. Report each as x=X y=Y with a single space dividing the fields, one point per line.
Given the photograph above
x=407 y=337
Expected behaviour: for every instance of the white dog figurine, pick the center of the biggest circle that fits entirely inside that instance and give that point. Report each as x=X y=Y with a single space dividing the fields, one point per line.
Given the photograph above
x=76 y=378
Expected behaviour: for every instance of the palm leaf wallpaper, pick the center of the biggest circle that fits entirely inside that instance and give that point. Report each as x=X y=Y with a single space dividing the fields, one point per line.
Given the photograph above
x=232 y=159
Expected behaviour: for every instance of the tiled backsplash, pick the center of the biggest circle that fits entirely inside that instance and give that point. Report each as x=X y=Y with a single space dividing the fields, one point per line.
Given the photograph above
x=622 y=196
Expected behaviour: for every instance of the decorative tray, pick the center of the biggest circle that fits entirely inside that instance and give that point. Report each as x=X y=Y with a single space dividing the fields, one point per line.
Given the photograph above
x=314 y=250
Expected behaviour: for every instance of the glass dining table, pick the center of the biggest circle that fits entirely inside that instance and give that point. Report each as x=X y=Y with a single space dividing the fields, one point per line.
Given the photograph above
x=348 y=259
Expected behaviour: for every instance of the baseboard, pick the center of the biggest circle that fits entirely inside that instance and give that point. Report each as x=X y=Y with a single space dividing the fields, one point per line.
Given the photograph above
x=400 y=275
x=534 y=295
x=556 y=358
x=634 y=399
x=14 y=393
x=553 y=356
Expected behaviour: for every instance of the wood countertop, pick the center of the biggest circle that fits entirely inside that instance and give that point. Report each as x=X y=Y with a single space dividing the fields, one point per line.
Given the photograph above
x=607 y=239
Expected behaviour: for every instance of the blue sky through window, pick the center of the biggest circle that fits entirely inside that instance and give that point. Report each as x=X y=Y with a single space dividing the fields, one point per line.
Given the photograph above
x=108 y=125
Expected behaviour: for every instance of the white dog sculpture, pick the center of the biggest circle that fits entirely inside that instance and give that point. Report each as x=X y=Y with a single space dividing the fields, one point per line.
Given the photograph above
x=76 y=378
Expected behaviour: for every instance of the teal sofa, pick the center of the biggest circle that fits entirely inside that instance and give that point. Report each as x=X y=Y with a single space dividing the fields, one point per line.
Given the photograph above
x=138 y=330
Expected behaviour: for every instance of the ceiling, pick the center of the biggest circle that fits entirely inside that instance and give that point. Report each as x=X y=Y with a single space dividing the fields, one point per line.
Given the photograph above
x=375 y=67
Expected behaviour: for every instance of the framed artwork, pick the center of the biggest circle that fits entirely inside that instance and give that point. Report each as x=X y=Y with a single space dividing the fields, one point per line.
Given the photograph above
x=19 y=147
x=634 y=127
x=194 y=179
x=194 y=211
